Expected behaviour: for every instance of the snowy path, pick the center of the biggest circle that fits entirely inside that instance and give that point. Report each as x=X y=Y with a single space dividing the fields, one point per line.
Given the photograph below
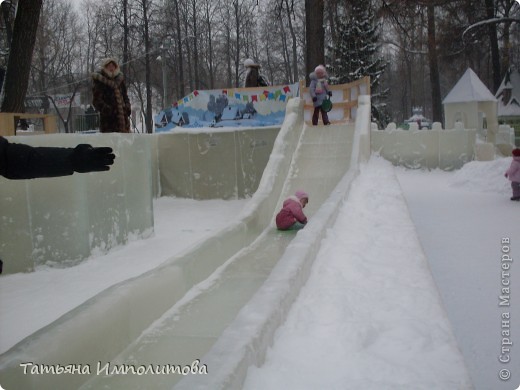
x=29 y=301
x=369 y=316
x=461 y=219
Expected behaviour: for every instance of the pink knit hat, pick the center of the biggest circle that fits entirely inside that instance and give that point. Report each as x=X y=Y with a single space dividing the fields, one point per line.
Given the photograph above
x=301 y=195
x=320 y=69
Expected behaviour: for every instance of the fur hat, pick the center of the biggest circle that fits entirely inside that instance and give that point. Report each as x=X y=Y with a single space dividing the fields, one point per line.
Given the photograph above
x=249 y=63
x=516 y=152
x=107 y=61
x=301 y=195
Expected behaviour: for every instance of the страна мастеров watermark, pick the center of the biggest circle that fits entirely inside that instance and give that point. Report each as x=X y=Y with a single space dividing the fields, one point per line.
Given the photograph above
x=504 y=302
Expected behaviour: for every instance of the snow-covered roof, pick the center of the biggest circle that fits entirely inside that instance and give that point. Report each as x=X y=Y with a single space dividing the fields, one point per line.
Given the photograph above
x=469 y=88
x=508 y=94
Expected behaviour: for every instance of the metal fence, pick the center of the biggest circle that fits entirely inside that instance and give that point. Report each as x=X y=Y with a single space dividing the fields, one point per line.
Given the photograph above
x=85 y=123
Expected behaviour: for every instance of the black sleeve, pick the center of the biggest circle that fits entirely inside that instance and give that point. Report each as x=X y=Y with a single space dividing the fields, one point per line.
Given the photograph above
x=18 y=161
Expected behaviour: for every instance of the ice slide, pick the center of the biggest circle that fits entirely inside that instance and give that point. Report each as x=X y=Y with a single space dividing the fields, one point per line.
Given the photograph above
x=219 y=302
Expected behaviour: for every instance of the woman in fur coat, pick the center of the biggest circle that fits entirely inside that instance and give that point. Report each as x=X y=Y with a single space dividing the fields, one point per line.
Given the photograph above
x=110 y=98
x=253 y=76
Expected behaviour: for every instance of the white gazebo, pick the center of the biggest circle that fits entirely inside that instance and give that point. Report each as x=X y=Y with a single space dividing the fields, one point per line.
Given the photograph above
x=470 y=102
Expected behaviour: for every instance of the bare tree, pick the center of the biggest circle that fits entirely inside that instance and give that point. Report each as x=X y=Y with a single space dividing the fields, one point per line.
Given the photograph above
x=179 y=47
x=434 y=67
x=146 y=4
x=20 y=56
x=56 y=52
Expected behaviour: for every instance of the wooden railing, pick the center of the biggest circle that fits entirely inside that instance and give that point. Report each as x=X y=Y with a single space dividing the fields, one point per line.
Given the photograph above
x=8 y=122
x=344 y=99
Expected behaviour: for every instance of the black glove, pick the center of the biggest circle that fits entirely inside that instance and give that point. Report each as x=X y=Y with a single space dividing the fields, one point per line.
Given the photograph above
x=329 y=93
x=85 y=158
x=314 y=98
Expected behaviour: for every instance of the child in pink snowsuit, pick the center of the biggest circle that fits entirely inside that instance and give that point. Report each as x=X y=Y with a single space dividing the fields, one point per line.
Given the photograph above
x=291 y=216
x=513 y=174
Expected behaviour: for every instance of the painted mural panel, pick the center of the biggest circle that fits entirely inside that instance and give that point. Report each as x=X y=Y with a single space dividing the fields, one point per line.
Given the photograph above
x=240 y=107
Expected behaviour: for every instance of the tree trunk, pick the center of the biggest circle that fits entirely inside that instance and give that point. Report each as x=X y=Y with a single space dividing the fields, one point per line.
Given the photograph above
x=493 y=41
x=196 y=47
x=6 y=14
x=126 y=33
x=20 y=56
x=294 y=45
x=147 y=46
x=189 y=56
x=314 y=35
x=179 y=49
x=210 y=47
x=237 y=49
x=434 y=66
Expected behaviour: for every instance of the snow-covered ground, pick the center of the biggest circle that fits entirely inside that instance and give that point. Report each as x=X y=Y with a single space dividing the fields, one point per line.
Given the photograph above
x=464 y=220
x=355 y=324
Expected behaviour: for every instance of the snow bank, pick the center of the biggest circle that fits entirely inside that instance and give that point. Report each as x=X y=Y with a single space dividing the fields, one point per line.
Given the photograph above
x=483 y=176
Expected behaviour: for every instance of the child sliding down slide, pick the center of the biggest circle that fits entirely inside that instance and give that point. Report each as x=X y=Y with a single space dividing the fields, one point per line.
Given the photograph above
x=291 y=216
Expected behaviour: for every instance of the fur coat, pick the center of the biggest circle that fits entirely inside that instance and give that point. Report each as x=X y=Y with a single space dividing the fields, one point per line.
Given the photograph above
x=111 y=100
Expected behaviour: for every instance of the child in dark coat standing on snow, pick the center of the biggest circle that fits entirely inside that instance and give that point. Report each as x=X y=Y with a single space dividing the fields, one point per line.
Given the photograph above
x=513 y=174
x=319 y=89
x=291 y=216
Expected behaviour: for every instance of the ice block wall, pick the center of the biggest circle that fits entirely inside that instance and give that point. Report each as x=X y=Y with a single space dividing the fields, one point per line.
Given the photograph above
x=437 y=148
x=60 y=221
x=225 y=164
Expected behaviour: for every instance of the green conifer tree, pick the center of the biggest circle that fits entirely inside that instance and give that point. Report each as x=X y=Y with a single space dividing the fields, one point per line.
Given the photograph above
x=356 y=53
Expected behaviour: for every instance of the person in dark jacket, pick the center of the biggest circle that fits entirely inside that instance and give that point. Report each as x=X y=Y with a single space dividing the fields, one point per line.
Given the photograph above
x=110 y=98
x=253 y=76
x=19 y=161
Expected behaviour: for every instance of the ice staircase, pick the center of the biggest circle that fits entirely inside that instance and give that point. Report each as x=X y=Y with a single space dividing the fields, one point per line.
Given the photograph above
x=187 y=309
